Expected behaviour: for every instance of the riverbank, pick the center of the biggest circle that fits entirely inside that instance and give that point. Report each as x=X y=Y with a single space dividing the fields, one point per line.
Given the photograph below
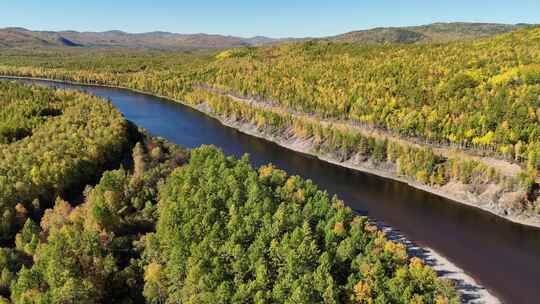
x=446 y=267
x=453 y=191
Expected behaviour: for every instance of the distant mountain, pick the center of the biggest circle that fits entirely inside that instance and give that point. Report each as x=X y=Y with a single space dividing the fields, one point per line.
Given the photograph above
x=436 y=32
x=20 y=37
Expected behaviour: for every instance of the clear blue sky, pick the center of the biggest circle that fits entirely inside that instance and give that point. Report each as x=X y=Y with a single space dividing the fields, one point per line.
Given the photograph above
x=275 y=18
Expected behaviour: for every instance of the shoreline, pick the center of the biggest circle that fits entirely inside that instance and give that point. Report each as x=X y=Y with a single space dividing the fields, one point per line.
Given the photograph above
x=470 y=290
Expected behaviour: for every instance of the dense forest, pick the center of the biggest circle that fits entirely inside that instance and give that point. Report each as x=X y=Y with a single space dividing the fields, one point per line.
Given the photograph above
x=166 y=225
x=479 y=97
x=51 y=142
x=230 y=234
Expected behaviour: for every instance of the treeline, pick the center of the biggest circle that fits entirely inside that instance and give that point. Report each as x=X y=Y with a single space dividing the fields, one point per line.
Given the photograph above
x=53 y=142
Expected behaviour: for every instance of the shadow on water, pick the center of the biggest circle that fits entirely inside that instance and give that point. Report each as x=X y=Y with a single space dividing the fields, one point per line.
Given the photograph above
x=503 y=256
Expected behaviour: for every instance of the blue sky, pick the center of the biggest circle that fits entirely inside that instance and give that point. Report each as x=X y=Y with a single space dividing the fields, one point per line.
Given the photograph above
x=275 y=18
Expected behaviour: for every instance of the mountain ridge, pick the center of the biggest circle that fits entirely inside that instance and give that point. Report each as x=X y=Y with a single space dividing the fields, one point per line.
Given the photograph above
x=436 y=32
x=22 y=37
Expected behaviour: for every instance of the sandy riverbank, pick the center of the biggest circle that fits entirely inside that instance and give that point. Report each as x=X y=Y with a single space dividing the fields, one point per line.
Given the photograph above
x=471 y=291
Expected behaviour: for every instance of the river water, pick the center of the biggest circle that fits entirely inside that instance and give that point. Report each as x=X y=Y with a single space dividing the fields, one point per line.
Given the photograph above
x=501 y=255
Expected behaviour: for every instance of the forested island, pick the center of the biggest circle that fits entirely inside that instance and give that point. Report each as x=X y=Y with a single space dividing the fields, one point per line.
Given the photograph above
x=460 y=119
x=95 y=210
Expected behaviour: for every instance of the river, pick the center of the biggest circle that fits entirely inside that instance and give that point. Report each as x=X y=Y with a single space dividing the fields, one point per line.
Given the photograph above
x=501 y=255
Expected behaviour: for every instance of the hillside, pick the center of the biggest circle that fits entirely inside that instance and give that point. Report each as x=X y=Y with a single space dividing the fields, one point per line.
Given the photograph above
x=20 y=37
x=456 y=93
x=436 y=32
x=460 y=118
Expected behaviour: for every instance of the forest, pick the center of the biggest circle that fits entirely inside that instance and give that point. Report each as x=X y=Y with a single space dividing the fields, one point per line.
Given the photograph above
x=51 y=143
x=479 y=97
x=157 y=223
